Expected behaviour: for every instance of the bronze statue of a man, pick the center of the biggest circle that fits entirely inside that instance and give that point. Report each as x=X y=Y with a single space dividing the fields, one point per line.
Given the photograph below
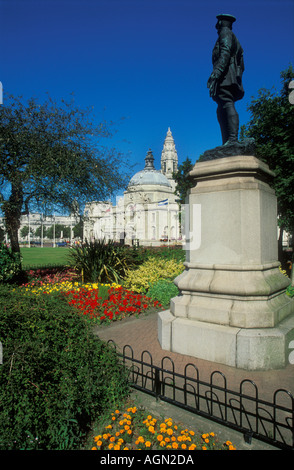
x=225 y=82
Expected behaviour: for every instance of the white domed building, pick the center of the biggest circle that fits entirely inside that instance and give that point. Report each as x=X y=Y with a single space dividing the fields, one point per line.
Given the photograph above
x=147 y=213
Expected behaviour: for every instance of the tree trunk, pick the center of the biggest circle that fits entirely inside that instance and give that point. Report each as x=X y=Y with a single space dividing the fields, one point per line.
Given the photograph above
x=12 y=212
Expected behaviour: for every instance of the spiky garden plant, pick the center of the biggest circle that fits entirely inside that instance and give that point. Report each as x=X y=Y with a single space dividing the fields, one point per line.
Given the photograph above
x=99 y=261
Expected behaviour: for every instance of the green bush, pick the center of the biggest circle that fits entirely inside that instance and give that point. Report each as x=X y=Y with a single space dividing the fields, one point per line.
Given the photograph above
x=56 y=377
x=10 y=264
x=163 y=290
x=290 y=291
x=100 y=261
x=151 y=271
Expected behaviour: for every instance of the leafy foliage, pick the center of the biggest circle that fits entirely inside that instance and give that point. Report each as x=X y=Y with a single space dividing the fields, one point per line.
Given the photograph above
x=10 y=264
x=150 y=272
x=181 y=177
x=56 y=375
x=271 y=125
x=99 y=261
x=163 y=291
x=51 y=155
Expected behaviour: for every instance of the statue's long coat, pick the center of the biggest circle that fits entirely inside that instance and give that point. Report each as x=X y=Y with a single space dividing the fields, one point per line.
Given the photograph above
x=227 y=60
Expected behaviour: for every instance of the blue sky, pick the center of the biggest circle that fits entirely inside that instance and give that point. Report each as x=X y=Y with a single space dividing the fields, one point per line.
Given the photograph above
x=147 y=61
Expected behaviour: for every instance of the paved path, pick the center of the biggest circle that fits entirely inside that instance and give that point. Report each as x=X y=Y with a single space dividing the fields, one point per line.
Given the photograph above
x=141 y=334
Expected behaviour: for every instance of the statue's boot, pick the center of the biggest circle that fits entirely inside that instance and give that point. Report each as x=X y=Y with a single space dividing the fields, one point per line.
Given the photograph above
x=222 y=120
x=232 y=121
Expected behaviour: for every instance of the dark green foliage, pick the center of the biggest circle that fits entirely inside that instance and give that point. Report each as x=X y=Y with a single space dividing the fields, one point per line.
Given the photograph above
x=100 y=261
x=163 y=291
x=56 y=377
x=271 y=125
x=181 y=177
x=177 y=253
x=10 y=264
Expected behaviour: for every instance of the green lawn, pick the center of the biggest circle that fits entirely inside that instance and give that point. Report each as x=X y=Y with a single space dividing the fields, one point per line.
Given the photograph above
x=39 y=257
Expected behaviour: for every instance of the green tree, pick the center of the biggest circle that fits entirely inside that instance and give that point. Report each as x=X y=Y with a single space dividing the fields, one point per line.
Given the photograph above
x=183 y=182
x=59 y=229
x=38 y=231
x=272 y=125
x=50 y=155
x=25 y=230
x=78 y=229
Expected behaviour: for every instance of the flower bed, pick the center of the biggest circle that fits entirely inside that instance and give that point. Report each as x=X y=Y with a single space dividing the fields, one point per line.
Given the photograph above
x=101 y=303
x=120 y=303
x=135 y=429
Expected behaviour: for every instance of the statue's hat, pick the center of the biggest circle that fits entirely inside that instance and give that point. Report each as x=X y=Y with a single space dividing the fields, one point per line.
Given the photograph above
x=230 y=18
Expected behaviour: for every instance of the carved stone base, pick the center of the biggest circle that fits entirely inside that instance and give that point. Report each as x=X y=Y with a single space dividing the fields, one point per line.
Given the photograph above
x=232 y=307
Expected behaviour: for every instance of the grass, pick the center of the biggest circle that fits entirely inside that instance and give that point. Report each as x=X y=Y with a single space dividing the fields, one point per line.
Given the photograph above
x=37 y=257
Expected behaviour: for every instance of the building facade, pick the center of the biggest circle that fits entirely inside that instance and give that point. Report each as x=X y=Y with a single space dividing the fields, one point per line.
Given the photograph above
x=148 y=212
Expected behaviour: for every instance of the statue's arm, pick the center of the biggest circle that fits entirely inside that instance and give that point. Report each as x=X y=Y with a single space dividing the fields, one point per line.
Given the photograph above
x=222 y=62
x=225 y=43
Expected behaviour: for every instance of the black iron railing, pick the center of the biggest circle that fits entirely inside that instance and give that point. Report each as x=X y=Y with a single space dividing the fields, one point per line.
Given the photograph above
x=242 y=410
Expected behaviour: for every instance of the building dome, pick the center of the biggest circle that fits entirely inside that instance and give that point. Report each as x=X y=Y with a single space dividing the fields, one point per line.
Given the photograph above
x=149 y=176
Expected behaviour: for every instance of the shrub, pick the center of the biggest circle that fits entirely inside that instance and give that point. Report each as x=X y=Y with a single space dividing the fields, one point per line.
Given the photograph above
x=10 y=264
x=163 y=290
x=290 y=291
x=56 y=375
x=151 y=271
x=99 y=261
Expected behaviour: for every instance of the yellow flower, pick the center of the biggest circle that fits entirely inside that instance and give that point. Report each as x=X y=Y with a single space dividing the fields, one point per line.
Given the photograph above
x=169 y=431
x=159 y=437
x=174 y=445
x=148 y=444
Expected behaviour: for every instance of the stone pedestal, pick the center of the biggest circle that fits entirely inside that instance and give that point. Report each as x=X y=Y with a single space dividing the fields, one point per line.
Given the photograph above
x=232 y=308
